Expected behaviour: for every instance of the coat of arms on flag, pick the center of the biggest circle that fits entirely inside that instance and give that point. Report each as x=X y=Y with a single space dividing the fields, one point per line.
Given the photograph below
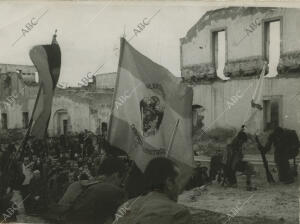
x=152 y=113
x=144 y=125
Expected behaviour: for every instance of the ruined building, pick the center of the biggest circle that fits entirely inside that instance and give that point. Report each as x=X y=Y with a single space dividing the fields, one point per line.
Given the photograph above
x=223 y=54
x=74 y=108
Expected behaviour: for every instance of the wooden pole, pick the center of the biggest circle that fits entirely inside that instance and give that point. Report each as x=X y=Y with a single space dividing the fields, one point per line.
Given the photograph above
x=11 y=160
x=31 y=121
x=122 y=44
x=172 y=138
x=262 y=74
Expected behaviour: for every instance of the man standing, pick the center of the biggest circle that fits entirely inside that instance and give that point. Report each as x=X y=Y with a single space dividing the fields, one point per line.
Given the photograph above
x=159 y=204
x=279 y=138
x=233 y=160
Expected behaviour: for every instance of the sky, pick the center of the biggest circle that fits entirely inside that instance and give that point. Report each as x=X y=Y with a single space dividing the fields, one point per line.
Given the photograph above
x=89 y=32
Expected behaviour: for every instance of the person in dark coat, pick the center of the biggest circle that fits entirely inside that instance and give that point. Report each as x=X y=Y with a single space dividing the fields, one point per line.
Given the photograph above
x=233 y=160
x=277 y=138
x=96 y=201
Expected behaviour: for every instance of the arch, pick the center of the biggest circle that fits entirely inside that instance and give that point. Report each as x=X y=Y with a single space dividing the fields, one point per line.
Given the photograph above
x=61 y=122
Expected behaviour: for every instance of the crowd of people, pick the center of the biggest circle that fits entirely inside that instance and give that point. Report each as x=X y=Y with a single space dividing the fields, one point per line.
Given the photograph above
x=45 y=173
x=82 y=179
x=42 y=171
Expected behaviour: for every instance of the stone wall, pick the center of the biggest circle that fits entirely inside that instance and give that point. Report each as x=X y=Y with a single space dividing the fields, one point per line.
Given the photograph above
x=227 y=104
x=106 y=80
x=244 y=28
x=85 y=107
x=289 y=62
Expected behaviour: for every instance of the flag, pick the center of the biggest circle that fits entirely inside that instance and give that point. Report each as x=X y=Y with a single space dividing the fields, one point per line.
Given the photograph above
x=47 y=60
x=256 y=108
x=152 y=111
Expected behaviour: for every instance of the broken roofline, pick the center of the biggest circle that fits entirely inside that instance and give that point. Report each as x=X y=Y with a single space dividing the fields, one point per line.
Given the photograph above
x=223 y=13
x=20 y=77
x=16 y=65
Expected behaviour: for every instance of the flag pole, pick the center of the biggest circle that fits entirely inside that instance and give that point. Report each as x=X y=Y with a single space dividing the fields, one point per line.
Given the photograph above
x=122 y=44
x=31 y=120
x=256 y=89
x=172 y=138
x=23 y=141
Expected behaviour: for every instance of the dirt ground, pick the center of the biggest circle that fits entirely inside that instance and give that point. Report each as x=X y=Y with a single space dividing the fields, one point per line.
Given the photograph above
x=269 y=204
x=276 y=204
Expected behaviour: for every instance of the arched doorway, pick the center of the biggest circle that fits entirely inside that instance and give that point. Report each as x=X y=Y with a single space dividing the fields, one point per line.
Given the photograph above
x=61 y=122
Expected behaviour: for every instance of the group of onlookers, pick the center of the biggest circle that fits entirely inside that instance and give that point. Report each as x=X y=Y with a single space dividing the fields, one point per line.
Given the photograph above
x=81 y=179
x=42 y=171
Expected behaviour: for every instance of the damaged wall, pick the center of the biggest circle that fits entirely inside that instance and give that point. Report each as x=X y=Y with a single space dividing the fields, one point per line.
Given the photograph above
x=244 y=42
x=85 y=111
x=106 y=80
x=227 y=103
x=83 y=108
